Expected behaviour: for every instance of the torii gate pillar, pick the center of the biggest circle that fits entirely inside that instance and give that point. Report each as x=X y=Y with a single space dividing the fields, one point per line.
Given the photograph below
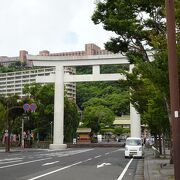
x=58 y=135
x=135 y=122
x=135 y=118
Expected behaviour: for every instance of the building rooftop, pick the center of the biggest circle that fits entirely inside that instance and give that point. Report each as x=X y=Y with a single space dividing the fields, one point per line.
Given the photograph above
x=83 y=130
x=122 y=120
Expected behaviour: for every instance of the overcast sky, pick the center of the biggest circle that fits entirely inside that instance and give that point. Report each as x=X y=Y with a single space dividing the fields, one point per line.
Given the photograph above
x=54 y=25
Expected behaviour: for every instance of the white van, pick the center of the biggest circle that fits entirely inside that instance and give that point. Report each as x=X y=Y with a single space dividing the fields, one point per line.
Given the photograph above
x=133 y=147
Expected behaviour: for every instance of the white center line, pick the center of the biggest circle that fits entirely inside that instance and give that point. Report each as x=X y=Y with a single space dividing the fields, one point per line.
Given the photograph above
x=37 y=177
x=125 y=169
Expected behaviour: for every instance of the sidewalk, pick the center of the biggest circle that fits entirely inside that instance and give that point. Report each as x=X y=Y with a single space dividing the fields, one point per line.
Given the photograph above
x=157 y=168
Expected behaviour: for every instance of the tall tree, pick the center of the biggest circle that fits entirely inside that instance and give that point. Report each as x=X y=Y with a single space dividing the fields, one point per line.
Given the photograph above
x=96 y=115
x=44 y=115
x=10 y=110
x=71 y=120
x=139 y=26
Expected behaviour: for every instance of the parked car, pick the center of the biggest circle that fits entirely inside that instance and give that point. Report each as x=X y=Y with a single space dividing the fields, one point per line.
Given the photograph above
x=122 y=141
x=134 y=147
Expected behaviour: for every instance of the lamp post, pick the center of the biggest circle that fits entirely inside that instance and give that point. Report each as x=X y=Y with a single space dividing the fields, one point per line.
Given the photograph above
x=22 y=133
x=22 y=129
x=26 y=107
x=174 y=84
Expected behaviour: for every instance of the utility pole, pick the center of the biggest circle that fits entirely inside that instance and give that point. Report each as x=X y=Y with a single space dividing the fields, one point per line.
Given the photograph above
x=174 y=85
x=22 y=133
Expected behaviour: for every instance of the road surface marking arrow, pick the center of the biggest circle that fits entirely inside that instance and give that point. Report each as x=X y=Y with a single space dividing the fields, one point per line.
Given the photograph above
x=103 y=164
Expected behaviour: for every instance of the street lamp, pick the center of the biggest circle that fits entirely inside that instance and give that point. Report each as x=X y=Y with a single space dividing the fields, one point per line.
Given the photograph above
x=22 y=129
x=22 y=133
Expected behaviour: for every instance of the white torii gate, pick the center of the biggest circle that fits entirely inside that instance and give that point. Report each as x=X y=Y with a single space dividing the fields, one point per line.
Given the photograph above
x=59 y=78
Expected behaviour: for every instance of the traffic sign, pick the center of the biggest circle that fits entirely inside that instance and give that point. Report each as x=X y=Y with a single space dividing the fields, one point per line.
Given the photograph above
x=30 y=107
x=33 y=106
x=26 y=107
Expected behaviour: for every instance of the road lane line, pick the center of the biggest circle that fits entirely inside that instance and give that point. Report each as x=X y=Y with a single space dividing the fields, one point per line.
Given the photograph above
x=87 y=160
x=46 y=174
x=125 y=169
x=27 y=162
x=10 y=159
x=10 y=162
x=50 y=163
x=97 y=156
x=117 y=150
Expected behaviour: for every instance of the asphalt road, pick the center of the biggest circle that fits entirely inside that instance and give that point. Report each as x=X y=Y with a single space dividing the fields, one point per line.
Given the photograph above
x=69 y=164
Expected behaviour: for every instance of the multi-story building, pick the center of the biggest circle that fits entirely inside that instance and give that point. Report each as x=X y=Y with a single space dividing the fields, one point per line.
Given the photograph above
x=90 y=49
x=5 y=61
x=13 y=82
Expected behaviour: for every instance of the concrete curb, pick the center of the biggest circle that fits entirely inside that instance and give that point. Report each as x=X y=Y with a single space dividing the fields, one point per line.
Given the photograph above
x=139 y=174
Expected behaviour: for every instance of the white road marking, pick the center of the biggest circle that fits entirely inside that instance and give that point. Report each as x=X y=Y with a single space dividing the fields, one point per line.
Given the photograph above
x=10 y=159
x=97 y=156
x=107 y=153
x=66 y=153
x=103 y=164
x=46 y=174
x=46 y=164
x=118 y=150
x=125 y=169
x=27 y=162
x=87 y=160
x=10 y=162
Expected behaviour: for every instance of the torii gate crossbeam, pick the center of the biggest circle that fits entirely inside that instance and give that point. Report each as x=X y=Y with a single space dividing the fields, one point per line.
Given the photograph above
x=59 y=78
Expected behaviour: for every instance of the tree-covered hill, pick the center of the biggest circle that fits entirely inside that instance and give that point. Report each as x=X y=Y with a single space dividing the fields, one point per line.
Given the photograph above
x=108 y=94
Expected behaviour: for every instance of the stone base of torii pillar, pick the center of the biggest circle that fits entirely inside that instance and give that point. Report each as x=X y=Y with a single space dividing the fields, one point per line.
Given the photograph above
x=57 y=146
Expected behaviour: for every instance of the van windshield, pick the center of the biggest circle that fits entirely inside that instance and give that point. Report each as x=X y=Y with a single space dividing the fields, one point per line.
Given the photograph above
x=133 y=142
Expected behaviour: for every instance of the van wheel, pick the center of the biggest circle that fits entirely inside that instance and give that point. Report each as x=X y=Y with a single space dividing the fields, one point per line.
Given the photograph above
x=126 y=157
